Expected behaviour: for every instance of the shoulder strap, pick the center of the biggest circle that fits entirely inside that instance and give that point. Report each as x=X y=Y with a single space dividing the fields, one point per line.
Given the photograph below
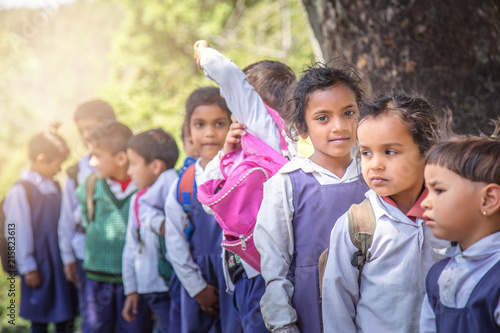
x=362 y=225
x=72 y=173
x=89 y=193
x=185 y=188
x=136 y=205
x=280 y=123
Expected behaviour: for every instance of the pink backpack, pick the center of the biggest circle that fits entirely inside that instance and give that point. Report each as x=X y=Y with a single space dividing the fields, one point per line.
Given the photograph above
x=235 y=200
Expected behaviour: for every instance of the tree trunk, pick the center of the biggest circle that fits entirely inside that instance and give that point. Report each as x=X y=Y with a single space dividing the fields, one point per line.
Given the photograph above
x=445 y=50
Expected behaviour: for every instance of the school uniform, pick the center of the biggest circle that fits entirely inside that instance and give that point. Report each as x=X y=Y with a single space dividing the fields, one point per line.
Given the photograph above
x=104 y=243
x=463 y=291
x=197 y=262
x=70 y=229
x=247 y=285
x=140 y=255
x=392 y=284
x=290 y=237
x=37 y=248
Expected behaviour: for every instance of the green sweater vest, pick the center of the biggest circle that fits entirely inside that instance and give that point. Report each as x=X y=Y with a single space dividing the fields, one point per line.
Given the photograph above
x=105 y=235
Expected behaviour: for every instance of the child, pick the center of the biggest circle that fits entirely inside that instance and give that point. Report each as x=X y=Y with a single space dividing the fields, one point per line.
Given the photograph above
x=247 y=93
x=291 y=230
x=152 y=156
x=106 y=230
x=463 y=205
x=46 y=295
x=197 y=261
x=394 y=133
x=71 y=233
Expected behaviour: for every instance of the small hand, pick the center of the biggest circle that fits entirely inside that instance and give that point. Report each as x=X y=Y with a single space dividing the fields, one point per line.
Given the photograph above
x=233 y=137
x=33 y=279
x=208 y=299
x=198 y=47
x=130 y=307
x=70 y=272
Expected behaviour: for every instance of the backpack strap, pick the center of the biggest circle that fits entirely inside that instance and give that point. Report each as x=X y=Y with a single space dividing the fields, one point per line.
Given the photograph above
x=72 y=173
x=90 y=184
x=136 y=205
x=362 y=225
x=280 y=123
x=186 y=188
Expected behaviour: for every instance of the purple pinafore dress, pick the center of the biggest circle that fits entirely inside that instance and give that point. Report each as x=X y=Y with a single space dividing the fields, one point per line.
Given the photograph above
x=317 y=208
x=206 y=251
x=56 y=299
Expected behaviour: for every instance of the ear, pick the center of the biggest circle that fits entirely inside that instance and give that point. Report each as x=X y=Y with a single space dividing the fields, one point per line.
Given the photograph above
x=41 y=158
x=122 y=158
x=302 y=132
x=158 y=166
x=491 y=199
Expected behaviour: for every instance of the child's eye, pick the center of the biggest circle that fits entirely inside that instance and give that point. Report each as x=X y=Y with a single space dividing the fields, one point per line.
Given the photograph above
x=438 y=191
x=349 y=113
x=322 y=118
x=198 y=124
x=390 y=152
x=365 y=153
x=220 y=124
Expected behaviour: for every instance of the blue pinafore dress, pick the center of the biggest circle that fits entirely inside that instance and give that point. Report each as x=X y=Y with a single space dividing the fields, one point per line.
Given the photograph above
x=56 y=299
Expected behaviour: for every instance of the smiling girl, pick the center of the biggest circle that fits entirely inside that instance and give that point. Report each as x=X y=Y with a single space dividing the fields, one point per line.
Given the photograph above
x=394 y=133
x=304 y=199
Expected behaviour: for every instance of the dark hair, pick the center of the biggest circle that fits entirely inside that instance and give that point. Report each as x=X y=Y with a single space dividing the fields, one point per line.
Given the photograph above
x=155 y=144
x=419 y=116
x=317 y=77
x=204 y=96
x=94 y=109
x=473 y=158
x=48 y=143
x=271 y=80
x=111 y=136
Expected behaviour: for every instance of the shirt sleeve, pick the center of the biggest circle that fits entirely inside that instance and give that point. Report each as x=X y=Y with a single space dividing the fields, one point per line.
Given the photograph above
x=274 y=239
x=18 y=215
x=241 y=98
x=129 y=251
x=340 y=282
x=66 y=228
x=427 y=317
x=178 y=250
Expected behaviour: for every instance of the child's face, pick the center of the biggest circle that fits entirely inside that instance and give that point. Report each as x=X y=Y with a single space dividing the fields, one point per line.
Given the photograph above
x=46 y=168
x=85 y=126
x=107 y=164
x=143 y=174
x=331 y=124
x=452 y=206
x=390 y=159
x=208 y=126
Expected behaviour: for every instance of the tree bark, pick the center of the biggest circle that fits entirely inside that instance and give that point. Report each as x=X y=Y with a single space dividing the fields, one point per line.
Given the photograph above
x=447 y=50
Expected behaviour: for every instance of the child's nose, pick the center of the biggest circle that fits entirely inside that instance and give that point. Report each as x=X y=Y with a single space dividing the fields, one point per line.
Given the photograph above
x=338 y=125
x=376 y=163
x=426 y=203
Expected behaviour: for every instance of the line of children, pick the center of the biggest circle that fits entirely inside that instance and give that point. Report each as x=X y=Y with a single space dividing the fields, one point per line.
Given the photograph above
x=88 y=116
x=302 y=201
x=246 y=93
x=463 y=205
x=205 y=307
x=104 y=203
x=394 y=134
x=152 y=157
x=46 y=295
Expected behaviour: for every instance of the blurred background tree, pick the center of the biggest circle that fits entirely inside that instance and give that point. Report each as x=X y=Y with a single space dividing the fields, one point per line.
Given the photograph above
x=447 y=50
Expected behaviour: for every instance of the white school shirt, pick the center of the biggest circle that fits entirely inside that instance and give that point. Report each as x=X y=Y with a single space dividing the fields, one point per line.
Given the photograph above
x=392 y=282
x=460 y=276
x=186 y=269
x=140 y=264
x=274 y=238
x=152 y=203
x=71 y=242
x=18 y=212
x=248 y=108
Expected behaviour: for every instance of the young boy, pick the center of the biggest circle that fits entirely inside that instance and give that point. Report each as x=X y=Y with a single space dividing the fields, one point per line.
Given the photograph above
x=105 y=215
x=152 y=157
x=71 y=233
